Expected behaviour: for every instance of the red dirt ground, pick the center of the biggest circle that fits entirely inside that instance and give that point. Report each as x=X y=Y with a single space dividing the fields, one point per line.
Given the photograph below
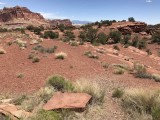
x=75 y=66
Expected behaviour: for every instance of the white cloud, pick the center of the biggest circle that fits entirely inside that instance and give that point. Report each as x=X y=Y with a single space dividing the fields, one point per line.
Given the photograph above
x=1 y=3
x=148 y=1
x=51 y=15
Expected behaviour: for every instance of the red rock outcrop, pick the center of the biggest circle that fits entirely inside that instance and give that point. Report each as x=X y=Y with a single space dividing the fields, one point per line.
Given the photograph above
x=129 y=27
x=9 y=14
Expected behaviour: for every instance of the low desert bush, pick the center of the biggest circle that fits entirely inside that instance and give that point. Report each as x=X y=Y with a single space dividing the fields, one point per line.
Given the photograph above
x=20 y=75
x=35 y=59
x=46 y=115
x=118 y=93
x=19 y=99
x=116 y=47
x=92 y=88
x=31 y=56
x=156 y=77
x=105 y=65
x=149 y=52
x=50 y=34
x=142 y=102
x=89 y=54
x=158 y=53
x=60 y=55
x=116 y=36
x=73 y=43
x=119 y=71
x=42 y=49
x=59 y=83
x=70 y=35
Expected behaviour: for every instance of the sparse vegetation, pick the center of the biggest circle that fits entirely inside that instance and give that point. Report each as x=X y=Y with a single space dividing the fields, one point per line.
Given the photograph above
x=116 y=36
x=50 y=34
x=91 y=55
x=118 y=93
x=69 y=35
x=141 y=103
x=116 y=47
x=45 y=50
x=95 y=90
x=156 y=38
x=20 y=75
x=149 y=52
x=60 y=55
x=35 y=59
x=131 y=19
x=60 y=84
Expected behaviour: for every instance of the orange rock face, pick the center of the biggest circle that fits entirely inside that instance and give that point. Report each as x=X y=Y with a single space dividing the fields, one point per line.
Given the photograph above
x=9 y=14
x=130 y=27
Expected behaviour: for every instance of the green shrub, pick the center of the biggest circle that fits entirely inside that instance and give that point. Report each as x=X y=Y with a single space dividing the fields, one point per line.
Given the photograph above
x=89 y=54
x=73 y=43
x=105 y=65
x=142 y=44
x=116 y=36
x=149 y=52
x=35 y=59
x=18 y=100
x=89 y=35
x=131 y=19
x=102 y=38
x=3 y=30
x=31 y=56
x=59 y=83
x=61 y=27
x=135 y=41
x=119 y=71
x=156 y=38
x=126 y=39
x=47 y=115
x=118 y=93
x=45 y=50
x=116 y=47
x=70 y=35
x=158 y=53
x=156 y=77
x=50 y=34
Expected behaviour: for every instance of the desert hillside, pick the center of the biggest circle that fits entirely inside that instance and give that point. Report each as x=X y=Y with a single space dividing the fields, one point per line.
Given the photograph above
x=112 y=66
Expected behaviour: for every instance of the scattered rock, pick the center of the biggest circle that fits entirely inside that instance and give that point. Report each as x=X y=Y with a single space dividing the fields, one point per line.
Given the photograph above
x=2 y=51
x=12 y=111
x=67 y=100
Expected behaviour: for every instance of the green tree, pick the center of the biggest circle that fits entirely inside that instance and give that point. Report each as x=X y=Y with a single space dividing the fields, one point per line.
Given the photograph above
x=116 y=36
x=131 y=19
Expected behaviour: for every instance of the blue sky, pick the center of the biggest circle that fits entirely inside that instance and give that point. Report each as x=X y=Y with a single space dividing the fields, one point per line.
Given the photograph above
x=93 y=10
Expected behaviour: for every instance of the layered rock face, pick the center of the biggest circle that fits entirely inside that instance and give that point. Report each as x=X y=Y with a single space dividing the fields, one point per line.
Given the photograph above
x=130 y=27
x=57 y=22
x=10 y=14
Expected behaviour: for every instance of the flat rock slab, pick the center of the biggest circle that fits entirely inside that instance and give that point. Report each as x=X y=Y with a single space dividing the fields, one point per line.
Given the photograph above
x=67 y=100
x=12 y=111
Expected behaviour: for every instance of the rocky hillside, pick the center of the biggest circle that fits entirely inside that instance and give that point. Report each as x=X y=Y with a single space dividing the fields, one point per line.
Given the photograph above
x=22 y=16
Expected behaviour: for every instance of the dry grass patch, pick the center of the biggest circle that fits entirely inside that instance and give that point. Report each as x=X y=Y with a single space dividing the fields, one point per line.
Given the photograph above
x=60 y=55
x=142 y=104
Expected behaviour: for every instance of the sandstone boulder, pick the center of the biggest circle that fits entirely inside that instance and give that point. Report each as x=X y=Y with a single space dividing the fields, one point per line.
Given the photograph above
x=67 y=100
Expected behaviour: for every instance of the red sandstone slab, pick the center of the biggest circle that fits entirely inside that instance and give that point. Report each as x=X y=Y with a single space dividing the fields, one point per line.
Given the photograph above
x=67 y=100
